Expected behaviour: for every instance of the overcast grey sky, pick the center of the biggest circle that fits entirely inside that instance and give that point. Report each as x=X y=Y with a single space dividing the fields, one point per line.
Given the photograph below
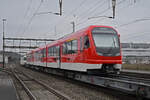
x=132 y=18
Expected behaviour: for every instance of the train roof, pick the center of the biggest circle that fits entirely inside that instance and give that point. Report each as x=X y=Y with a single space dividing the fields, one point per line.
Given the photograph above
x=67 y=36
x=76 y=34
x=82 y=31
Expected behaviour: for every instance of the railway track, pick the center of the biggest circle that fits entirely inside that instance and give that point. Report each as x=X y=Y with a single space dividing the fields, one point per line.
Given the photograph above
x=114 y=83
x=129 y=77
x=76 y=90
x=35 y=89
x=128 y=84
x=135 y=74
x=139 y=87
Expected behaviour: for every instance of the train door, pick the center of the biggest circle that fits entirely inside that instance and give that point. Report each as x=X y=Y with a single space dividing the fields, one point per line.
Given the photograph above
x=81 y=49
x=85 y=47
x=58 y=57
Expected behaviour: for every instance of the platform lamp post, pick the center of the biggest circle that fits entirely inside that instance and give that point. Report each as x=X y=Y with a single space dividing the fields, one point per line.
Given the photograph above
x=3 y=42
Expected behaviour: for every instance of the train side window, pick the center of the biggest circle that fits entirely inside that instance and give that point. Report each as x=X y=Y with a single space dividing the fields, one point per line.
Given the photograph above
x=27 y=57
x=35 y=55
x=86 y=42
x=30 y=55
x=24 y=58
x=81 y=44
x=49 y=51
x=69 y=46
x=64 y=48
x=43 y=53
x=54 y=50
x=52 y=53
x=38 y=55
x=74 y=46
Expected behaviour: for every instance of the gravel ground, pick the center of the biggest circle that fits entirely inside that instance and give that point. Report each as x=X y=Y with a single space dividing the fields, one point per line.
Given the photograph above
x=73 y=90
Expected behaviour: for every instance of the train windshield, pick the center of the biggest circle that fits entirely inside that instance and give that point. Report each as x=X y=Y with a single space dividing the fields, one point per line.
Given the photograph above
x=106 y=41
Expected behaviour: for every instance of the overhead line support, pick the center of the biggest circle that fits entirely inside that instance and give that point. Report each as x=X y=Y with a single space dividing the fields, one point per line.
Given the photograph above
x=60 y=6
x=113 y=7
x=3 y=42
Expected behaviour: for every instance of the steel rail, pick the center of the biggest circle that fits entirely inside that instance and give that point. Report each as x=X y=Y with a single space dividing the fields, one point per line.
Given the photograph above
x=27 y=90
x=50 y=89
x=137 y=74
x=128 y=77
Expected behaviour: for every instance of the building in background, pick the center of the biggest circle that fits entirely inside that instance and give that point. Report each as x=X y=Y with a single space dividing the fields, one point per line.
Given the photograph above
x=136 y=53
x=1 y=60
x=10 y=57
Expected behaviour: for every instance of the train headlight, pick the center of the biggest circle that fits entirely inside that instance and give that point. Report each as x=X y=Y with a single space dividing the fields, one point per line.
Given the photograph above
x=117 y=54
x=100 y=54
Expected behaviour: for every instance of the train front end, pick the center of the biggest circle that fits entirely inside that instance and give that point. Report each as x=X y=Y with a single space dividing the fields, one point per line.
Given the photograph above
x=106 y=42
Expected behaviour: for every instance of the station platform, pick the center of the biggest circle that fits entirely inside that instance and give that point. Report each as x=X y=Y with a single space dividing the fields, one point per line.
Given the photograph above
x=7 y=89
x=136 y=71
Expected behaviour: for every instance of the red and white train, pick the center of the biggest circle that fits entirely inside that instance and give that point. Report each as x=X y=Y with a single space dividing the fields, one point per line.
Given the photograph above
x=95 y=48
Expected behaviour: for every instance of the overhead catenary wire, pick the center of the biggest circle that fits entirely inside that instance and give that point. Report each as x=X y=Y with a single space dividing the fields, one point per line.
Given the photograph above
x=118 y=3
x=87 y=10
x=80 y=5
x=137 y=35
x=32 y=17
x=70 y=13
x=100 y=13
x=93 y=8
x=25 y=15
x=134 y=21
x=85 y=19
x=90 y=10
x=82 y=20
x=74 y=10
x=77 y=8
x=28 y=8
